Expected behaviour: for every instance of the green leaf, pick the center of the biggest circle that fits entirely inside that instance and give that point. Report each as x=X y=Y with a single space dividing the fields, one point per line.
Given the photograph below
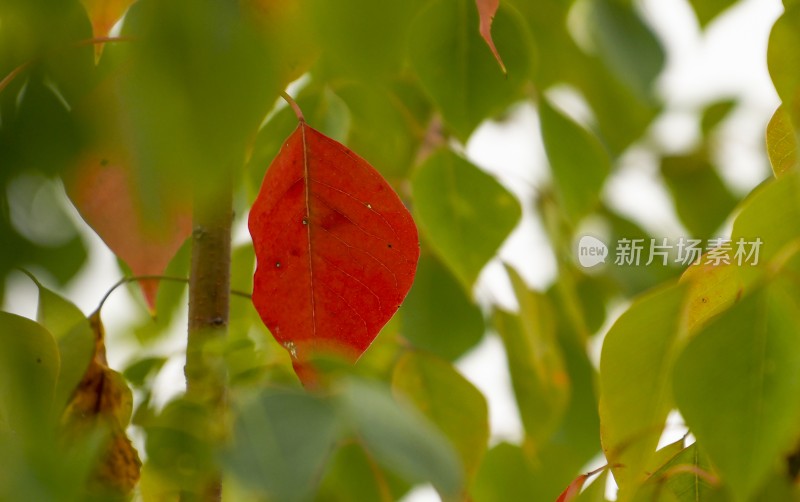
x=596 y=491
x=449 y=401
x=400 y=439
x=781 y=143
x=458 y=70
x=538 y=374
x=771 y=213
x=701 y=198
x=29 y=366
x=783 y=60
x=463 y=212
x=385 y=130
x=744 y=412
x=141 y=370
x=505 y=474
x=578 y=161
x=437 y=314
x=353 y=475
x=706 y=10
x=714 y=114
x=712 y=289
x=635 y=393
x=627 y=44
x=362 y=39
x=74 y=336
x=282 y=439
x=688 y=476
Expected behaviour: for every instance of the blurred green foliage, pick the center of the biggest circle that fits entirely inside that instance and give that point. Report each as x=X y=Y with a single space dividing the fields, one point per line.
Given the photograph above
x=187 y=92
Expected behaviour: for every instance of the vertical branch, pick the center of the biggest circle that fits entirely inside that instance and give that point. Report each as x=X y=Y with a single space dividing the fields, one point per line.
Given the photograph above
x=209 y=298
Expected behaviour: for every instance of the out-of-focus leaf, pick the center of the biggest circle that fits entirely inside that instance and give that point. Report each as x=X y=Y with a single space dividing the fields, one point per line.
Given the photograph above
x=783 y=60
x=706 y=10
x=104 y=190
x=538 y=374
x=141 y=370
x=449 y=401
x=285 y=28
x=74 y=337
x=384 y=129
x=487 y=10
x=400 y=439
x=104 y=14
x=362 y=39
x=635 y=397
x=353 y=475
x=578 y=161
x=743 y=412
x=282 y=439
x=622 y=113
x=635 y=278
x=596 y=491
x=577 y=440
x=781 y=143
x=200 y=81
x=29 y=367
x=181 y=447
x=437 y=314
x=701 y=198
x=463 y=212
x=714 y=114
x=458 y=70
x=628 y=45
x=505 y=474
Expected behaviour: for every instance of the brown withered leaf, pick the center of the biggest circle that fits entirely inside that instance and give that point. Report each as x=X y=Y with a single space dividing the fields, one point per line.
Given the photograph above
x=103 y=398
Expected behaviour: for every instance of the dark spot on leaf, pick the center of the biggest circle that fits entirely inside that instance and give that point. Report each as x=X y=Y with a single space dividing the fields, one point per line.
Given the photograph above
x=104 y=162
x=388 y=245
x=704 y=299
x=39 y=360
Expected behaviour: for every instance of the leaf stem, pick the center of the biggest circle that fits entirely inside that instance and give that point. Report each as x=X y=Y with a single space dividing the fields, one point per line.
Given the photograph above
x=295 y=107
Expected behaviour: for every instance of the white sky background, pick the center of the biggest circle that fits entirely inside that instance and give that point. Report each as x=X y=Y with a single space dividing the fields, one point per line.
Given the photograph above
x=727 y=60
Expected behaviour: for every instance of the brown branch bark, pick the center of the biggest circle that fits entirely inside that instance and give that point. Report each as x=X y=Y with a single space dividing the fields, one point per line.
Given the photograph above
x=209 y=298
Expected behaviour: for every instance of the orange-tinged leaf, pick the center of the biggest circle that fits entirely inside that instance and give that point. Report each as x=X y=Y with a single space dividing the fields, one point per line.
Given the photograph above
x=103 y=397
x=104 y=14
x=104 y=190
x=486 y=10
x=337 y=250
x=574 y=489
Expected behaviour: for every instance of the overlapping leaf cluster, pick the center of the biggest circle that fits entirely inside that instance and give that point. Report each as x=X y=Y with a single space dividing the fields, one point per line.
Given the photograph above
x=182 y=99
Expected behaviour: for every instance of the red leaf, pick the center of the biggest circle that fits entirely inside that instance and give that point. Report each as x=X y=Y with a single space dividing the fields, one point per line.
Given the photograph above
x=574 y=489
x=104 y=191
x=486 y=10
x=337 y=250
